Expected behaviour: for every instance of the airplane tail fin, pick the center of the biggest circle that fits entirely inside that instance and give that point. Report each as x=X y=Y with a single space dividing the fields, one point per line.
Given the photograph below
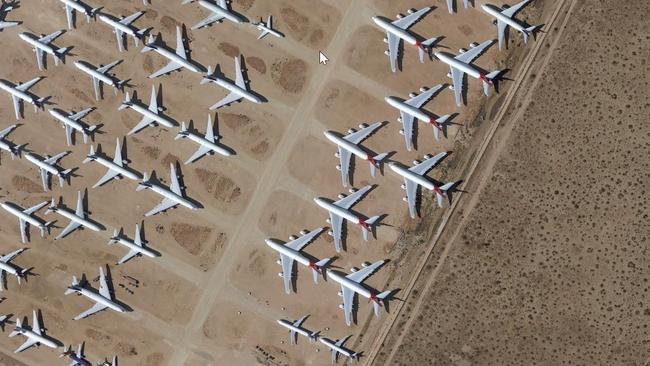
x=369 y=226
x=60 y=55
x=74 y=282
x=66 y=351
x=19 y=324
x=51 y=207
x=150 y=41
x=379 y=301
x=40 y=103
x=427 y=46
x=182 y=132
x=64 y=176
x=93 y=13
x=376 y=162
x=441 y=126
x=90 y=155
x=313 y=336
x=209 y=73
x=125 y=103
x=17 y=150
x=531 y=31
x=490 y=79
x=113 y=238
x=47 y=227
x=141 y=186
x=319 y=267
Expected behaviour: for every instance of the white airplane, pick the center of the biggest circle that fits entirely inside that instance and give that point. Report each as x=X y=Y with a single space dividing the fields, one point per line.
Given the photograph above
x=450 y=5
x=19 y=94
x=267 y=28
x=72 y=5
x=177 y=59
x=220 y=11
x=7 y=267
x=295 y=328
x=290 y=252
x=462 y=64
x=150 y=115
x=72 y=121
x=504 y=17
x=5 y=8
x=136 y=247
x=172 y=196
x=339 y=210
x=416 y=176
x=47 y=166
x=122 y=26
x=26 y=217
x=78 y=218
x=207 y=144
x=99 y=75
x=238 y=89
x=35 y=335
x=116 y=167
x=43 y=46
x=398 y=30
x=336 y=348
x=76 y=358
x=352 y=284
x=102 y=298
x=106 y=363
x=411 y=108
x=8 y=146
x=348 y=145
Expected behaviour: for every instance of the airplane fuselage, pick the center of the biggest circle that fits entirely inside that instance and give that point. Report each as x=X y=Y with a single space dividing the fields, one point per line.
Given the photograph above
x=80 y=220
x=496 y=13
x=333 y=346
x=348 y=283
x=339 y=211
x=67 y=121
x=171 y=195
x=235 y=89
x=98 y=298
x=117 y=25
x=39 y=338
x=16 y=93
x=458 y=65
x=293 y=254
x=136 y=248
x=174 y=57
x=76 y=6
x=6 y=267
x=220 y=11
x=41 y=164
x=95 y=74
x=5 y=146
x=271 y=31
x=337 y=138
x=112 y=166
x=21 y=215
x=158 y=118
x=289 y=325
x=408 y=109
x=32 y=40
x=209 y=144
x=413 y=177
x=395 y=30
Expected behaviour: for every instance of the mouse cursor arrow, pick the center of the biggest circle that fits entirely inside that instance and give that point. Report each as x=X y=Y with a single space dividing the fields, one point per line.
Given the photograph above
x=322 y=59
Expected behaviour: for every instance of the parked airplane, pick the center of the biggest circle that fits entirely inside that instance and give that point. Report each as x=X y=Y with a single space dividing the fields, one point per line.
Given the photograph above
x=411 y=108
x=177 y=59
x=78 y=218
x=102 y=298
x=220 y=11
x=290 y=252
x=295 y=328
x=19 y=94
x=352 y=284
x=450 y=5
x=5 y=8
x=238 y=89
x=336 y=347
x=339 y=210
x=76 y=358
x=462 y=64
x=416 y=176
x=8 y=146
x=26 y=217
x=7 y=267
x=72 y=122
x=150 y=115
x=43 y=46
x=207 y=144
x=35 y=335
x=398 y=30
x=99 y=75
x=48 y=165
x=136 y=246
x=172 y=196
x=72 y=5
x=122 y=26
x=116 y=167
x=504 y=17
x=267 y=28
x=106 y=363
x=348 y=145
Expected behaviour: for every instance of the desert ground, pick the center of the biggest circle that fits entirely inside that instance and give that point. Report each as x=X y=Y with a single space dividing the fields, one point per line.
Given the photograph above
x=213 y=297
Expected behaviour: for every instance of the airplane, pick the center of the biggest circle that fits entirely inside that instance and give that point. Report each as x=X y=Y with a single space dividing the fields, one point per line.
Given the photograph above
x=207 y=144
x=99 y=75
x=72 y=122
x=411 y=108
x=5 y=8
x=339 y=210
x=78 y=218
x=106 y=363
x=348 y=145
x=295 y=328
x=172 y=196
x=398 y=30
x=462 y=64
x=150 y=115
x=47 y=166
x=19 y=94
x=35 y=335
x=450 y=5
x=504 y=17
x=336 y=347
x=238 y=89
x=177 y=59
x=102 y=298
x=267 y=28
x=43 y=46
x=136 y=247
x=290 y=252
x=219 y=11
x=72 y=5
x=415 y=176
x=352 y=284
x=116 y=167
x=8 y=146
x=123 y=26
x=7 y=267
x=76 y=358
x=26 y=217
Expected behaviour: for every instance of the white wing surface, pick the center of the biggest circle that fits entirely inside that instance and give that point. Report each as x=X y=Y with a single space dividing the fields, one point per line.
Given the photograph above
x=7 y=258
x=172 y=66
x=95 y=309
x=363 y=273
x=407 y=21
x=349 y=201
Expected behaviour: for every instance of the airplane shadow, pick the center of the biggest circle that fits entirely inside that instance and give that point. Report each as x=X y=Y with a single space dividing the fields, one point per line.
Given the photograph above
x=181 y=182
x=111 y=289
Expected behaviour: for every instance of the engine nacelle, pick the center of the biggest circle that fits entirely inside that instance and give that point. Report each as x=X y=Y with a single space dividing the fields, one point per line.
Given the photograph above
x=399 y=119
x=280 y=274
x=416 y=162
x=411 y=11
x=352 y=190
x=385 y=40
x=338 y=167
x=428 y=156
x=330 y=232
x=304 y=232
x=412 y=95
x=352 y=130
x=403 y=186
x=336 y=154
x=473 y=44
x=365 y=264
x=363 y=125
x=340 y=293
x=462 y=50
x=450 y=87
x=328 y=221
x=405 y=199
x=292 y=237
x=399 y=16
x=401 y=132
x=423 y=89
x=341 y=196
x=341 y=306
x=354 y=269
x=278 y=261
x=449 y=75
x=387 y=53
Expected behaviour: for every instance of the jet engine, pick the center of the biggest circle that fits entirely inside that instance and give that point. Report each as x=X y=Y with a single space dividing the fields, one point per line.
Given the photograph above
x=416 y=162
x=365 y=264
x=341 y=196
x=401 y=132
x=405 y=199
x=280 y=274
x=336 y=154
x=399 y=16
x=341 y=306
x=352 y=190
x=423 y=89
x=412 y=95
x=399 y=119
x=411 y=11
x=354 y=269
x=473 y=44
x=403 y=186
x=387 y=53
x=338 y=167
x=304 y=232
x=428 y=156
x=292 y=237
x=363 y=125
x=451 y=87
x=462 y=50
x=352 y=130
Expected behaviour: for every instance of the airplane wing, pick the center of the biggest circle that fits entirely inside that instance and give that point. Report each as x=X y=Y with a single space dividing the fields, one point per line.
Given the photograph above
x=457 y=80
x=511 y=11
x=411 y=196
x=36 y=324
x=407 y=21
x=103 y=285
x=80 y=206
x=44 y=178
x=55 y=158
x=23 y=230
x=68 y=134
x=105 y=68
x=81 y=114
x=363 y=273
x=269 y=22
x=120 y=39
x=110 y=174
x=349 y=201
x=175 y=186
x=72 y=226
x=474 y=52
x=96 y=86
x=172 y=66
x=28 y=343
x=39 y=58
x=420 y=99
x=153 y=101
x=207 y=21
x=146 y=121
x=393 y=50
x=344 y=159
x=26 y=85
x=131 y=18
x=68 y=14
x=348 y=302
x=138 y=238
x=263 y=34
x=209 y=131
x=166 y=204
x=362 y=134
x=230 y=98
x=180 y=45
x=33 y=209
x=198 y=154
x=287 y=272
x=6 y=131
x=95 y=309
x=49 y=38
x=407 y=126
x=423 y=167
x=132 y=253
x=12 y=255
x=337 y=229
x=501 y=31
x=239 y=75
x=16 y=105
x=450 y=6
x=302 y=241
x=299 y=322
